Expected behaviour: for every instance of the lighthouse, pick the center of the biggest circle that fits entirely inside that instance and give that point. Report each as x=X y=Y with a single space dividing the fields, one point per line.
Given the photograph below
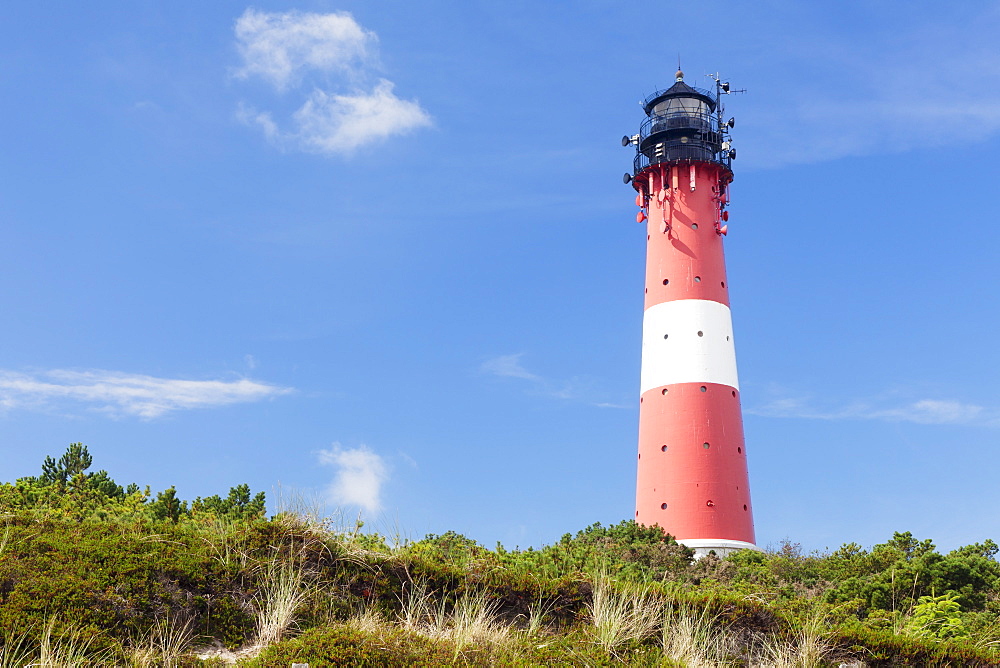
x=692 y=462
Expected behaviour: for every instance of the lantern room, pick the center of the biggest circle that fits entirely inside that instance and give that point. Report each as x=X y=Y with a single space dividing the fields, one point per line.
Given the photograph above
x=682 y=125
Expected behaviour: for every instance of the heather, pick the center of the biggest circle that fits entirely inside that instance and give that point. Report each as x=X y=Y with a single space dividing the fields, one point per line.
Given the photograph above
x=97 y=573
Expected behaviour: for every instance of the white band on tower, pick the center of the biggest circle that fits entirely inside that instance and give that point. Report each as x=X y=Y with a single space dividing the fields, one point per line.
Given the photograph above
x=688 y=341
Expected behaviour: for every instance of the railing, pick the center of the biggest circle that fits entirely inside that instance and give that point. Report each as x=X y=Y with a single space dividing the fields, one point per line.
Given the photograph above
x=702 y=144
x=674 y=151
x=700 y=121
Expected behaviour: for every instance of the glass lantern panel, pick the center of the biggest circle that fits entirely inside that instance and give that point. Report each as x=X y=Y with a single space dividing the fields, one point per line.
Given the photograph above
x=681 y=105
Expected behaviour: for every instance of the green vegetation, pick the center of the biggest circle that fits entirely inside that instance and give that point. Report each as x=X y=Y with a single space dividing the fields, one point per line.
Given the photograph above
x=93 y=573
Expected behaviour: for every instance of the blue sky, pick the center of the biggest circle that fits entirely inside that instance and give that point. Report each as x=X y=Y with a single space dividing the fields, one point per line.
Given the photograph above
x=379 y=253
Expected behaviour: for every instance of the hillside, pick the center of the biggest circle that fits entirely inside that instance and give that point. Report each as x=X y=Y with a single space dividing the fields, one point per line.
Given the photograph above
x=94 y=573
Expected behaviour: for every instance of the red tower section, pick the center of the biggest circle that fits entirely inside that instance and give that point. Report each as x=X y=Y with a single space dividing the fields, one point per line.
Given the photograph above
x=692 y=469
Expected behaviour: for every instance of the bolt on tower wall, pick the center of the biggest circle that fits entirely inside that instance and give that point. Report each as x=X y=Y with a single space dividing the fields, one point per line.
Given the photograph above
x=692 y=470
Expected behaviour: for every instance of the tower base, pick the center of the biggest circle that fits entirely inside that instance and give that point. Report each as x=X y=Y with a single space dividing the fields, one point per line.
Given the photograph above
x=721 y=547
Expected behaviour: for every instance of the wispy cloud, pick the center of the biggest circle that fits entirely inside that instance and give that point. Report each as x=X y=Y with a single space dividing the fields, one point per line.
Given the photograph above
x=893 y=92
x=508 y=366
x=360 y=474
x=319 y=53
x=920 y=411
x=575 y=389
x=125 y=394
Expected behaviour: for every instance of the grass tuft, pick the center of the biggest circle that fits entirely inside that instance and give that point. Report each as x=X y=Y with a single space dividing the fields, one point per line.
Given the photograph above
x=369 y=621
x=473 y=619
x=16 y=650
x=67 y=649
x=285 y=588
x=621 y=616
x=808 y=649
x=538 y=611
x=694 y=638
x=165 y=644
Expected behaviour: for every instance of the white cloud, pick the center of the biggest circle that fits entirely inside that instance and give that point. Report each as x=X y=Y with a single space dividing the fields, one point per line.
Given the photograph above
x=342 y=123
x=283 y=48
x=923 y=411
x=508 y=366
x=126 y=394
x=280 y=47
x=359 y=477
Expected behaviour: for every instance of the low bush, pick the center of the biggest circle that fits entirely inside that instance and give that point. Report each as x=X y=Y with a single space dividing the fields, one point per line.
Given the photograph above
x=116 y=575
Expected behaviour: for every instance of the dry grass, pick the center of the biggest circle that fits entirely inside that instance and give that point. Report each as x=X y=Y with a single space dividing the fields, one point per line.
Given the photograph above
x=16 y=651
x=369 y=621
x=306 y=515
x=165 y=644
x=537 y=612
x=695 y=639
x=286 y=586
x=621 y=616
x=227 y=539
x=472 y=619
x=420 y=612
x=66 y=649
x=811 y=643
x=771 y=652
x=309 y=513
x=809 y=649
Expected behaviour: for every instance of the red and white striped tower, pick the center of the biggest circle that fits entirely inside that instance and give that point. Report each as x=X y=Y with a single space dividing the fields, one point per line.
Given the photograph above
x=692 y=471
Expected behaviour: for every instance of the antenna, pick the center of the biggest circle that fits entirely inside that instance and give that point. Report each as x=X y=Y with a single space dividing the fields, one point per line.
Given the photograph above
x=724 y=88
